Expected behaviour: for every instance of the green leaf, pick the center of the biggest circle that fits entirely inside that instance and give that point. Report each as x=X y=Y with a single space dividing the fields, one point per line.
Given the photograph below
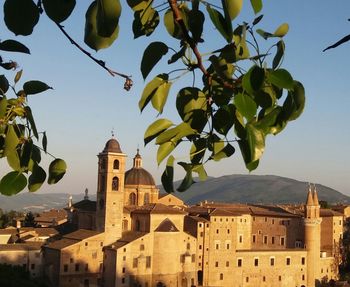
x=281 y=78
x=245 y=105
x=91 y=36
x=177 y=55
x=164 y=150
x=57 y=169
x=175 y=134
x=13 y=46
x=44 y=142
x=58 y=10
x=239 y=37
x=197 y=150
x=11 y=140
x=145 y=22
x=13 y=160
x=282 y=30
x=156 y=129
x=151 y=56
x=199 y=169
x=138 y=4
x=227 y=151
x=18 y=76
x=108 y=13
x=253 y=79
x=294 y=103
x=244 y=147
x=223 y=119
x=223 y=69
x=219 y=22
x=268 y=123
x=4 y=85
x=257 y=20
x=12 y=183
x=257 y=5
x=188 y=100
x=188 y=179
x=30 y=118
x=256 y=142
x=21 y=16
x=195 y=24
x=3 y=107
x=279 y=54
x=160 y=96
x=151 y=89
x=264 y=34
x=234 y=7
x=26 y=154
x=36 y=154
x=36 y=179
x=35 y=87
x=168 y=175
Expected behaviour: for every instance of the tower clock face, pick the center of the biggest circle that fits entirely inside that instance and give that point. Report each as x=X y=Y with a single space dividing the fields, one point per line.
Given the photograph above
x=102 y=203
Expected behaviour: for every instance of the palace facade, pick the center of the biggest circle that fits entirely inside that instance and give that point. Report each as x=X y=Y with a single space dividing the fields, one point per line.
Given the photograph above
x=134 y=236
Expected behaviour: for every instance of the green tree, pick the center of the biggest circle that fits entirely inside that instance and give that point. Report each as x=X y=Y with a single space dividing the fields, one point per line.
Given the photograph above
x=240 y=93
x=29 y=220
x=14 y=276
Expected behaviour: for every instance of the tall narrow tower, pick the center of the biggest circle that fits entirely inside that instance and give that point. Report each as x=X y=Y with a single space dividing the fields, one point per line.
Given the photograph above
x=312 y=224
x=110 y=191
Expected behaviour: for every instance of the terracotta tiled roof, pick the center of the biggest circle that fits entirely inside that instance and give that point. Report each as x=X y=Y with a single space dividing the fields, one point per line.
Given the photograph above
x=85 y=205
x=329 y=212
x=127 y=237
x=199 y=219
x=62 y=243
x=158 y=208
x=81 y=234
x=21 y=246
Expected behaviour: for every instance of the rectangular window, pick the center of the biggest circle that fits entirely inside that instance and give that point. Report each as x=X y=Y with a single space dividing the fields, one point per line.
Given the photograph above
x=256 y=261
x=265 y=239
x=339 y=222
x=273 y=240
x=123 y=270
x=221 y=276
x=77 y=267
x=217 y=246
x=227 y=245
x=124 y=258
x=227 y=263
x=282 y=241
x=273 y=221
x=201 y=234
x=217 y=231
x=217 y=264
x=264 y=278
x=134 y=263
x=86 y=243
x=86 y=267
x=303 y=277
x=302 y=260
x=279 y=278
x=32 y=266
x=123 y=280
x=193 y=258
x=272 y=261
x=200 y=247
x=254 y=238
x=239 y=262
x=288 y=261
x=142 y=247
x=65 y=268
x=241 y=239
x=247 y=279
x=148 y=261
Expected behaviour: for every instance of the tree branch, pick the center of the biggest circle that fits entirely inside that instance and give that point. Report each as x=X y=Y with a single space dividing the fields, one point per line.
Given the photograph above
x=128 y=81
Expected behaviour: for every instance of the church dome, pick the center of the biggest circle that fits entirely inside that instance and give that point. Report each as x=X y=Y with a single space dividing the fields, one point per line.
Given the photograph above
x=138 y=175
x=112 y=146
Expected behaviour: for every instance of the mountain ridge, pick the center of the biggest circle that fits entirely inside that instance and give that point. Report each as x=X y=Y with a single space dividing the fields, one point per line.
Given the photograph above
x=263 y=189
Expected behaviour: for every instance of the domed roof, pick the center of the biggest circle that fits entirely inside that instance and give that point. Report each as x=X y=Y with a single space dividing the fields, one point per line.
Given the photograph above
x=138 y=175
x=112 y=146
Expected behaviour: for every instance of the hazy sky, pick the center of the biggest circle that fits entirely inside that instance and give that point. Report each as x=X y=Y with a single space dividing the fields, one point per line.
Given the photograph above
x=87 y=103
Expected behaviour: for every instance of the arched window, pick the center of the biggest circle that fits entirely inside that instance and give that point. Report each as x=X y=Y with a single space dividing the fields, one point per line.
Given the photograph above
x=116 y=164
x=146 y=199
x=132 y=199
x=115 y=183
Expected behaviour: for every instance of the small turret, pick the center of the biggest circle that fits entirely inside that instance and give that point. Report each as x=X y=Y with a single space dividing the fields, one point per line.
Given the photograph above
x=310 y=200
x=86 y=197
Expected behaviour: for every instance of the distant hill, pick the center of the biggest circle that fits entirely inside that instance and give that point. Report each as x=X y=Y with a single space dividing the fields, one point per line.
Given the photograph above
x=229 y=188
x=257 y=189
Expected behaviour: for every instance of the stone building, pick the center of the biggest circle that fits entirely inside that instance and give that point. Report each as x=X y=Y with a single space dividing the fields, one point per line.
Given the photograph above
x=134 y=236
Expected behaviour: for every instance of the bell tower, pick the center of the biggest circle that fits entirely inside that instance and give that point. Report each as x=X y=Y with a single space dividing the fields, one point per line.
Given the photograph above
x=312 y=225
x=110 y=191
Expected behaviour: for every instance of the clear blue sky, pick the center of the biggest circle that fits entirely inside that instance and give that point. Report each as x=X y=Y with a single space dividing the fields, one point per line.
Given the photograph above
x=86 y=103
